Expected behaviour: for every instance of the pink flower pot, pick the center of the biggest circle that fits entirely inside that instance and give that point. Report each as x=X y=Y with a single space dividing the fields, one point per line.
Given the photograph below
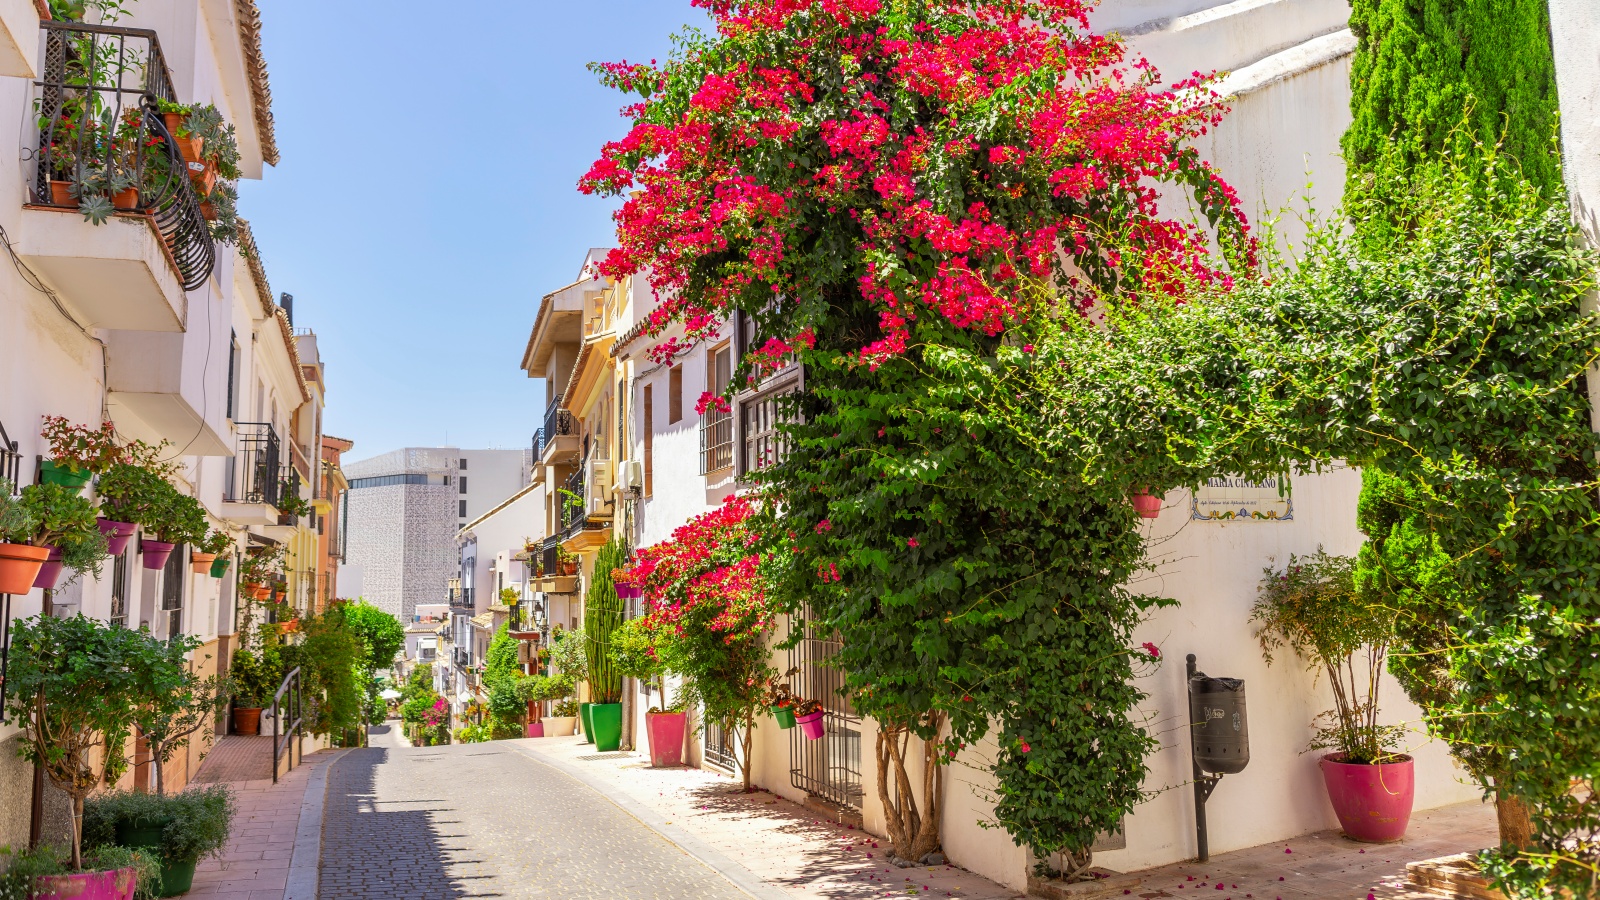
x=155 y=553
x=118 y=535
x=667 y=730
x=811 y=726
x=1146 y=504
x=535 y=729
x=1373 y=802
x=116 y=884
x=50 y=572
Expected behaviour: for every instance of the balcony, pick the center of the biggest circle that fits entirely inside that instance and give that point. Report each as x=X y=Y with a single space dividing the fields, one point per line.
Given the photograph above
x=559 y=437
x=461 y=600
x=463 y=660
x=251 y=495
x=581 y=527
x=99 y=133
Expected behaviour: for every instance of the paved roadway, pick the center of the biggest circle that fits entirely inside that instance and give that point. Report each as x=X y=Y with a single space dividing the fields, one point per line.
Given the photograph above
x=482 y=820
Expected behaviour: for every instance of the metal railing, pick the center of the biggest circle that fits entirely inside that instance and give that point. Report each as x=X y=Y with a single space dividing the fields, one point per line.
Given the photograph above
x=716 y=440
x=253 y=470
x=538 y=446
x=558 y=422
x=829 y=768
x=550 y=556
x=289 y=489
x=10 y=469
x=574 y=502
x=101 y=135
x=461 y=598
x=719 y=746
x=284 y=738
x=462 y=658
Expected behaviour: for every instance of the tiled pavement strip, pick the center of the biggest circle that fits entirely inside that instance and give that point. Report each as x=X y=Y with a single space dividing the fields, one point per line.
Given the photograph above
x=522 y=830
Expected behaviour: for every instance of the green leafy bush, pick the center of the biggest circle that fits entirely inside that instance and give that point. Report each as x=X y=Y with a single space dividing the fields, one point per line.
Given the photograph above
x=195 y=824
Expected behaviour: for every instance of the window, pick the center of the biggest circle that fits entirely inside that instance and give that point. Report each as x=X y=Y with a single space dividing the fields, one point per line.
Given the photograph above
x=463 y=463
x=233 y=367
x=716 y=424
x=387 y=480
x=674 y=395
x=463 y=484
x=759 y=420
x=119 y=590
x=463 y=512
x=649 y=439
x=172 y=579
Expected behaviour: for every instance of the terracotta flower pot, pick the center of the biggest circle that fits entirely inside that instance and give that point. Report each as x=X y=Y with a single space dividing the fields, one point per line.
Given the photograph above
x=208 y=210
x=201 y=562
x=261 y=593
x=189 y=148
x=50 y=573
x=117 y=884
x=1373 y=802
x=61 y=194
x=247 y=720
x=1146 y=504
x=155 y=552
x=204 y=176
x=811 y=726
x=19 y=566
x=127 y=200
x=666 y=737
x=118 y=535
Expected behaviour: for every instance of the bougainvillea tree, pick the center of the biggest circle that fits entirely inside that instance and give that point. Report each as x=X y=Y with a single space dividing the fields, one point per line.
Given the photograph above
x=894 y=190
x=705 y=590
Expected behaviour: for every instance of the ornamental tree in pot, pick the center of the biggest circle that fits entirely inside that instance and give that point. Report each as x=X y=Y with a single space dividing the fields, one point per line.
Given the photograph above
x=254 y=681
x=1312 y=608
x=185 y=704
x=637 y=651
x=20 y=560
x=66 y=525
x=602 y=616
x=174 y=518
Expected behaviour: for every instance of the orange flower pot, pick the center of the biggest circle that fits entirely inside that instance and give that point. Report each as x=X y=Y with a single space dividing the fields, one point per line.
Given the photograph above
x=126 y=200
x=19 y=567
x=201 y=562
x=61 y=193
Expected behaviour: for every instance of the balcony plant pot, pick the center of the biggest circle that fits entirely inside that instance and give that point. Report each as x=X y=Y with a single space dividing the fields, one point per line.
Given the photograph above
x=118 y=535
x=811 y=726
x=1372 y=801
x=1146 y=504
x=560 y=726
x=208 y=210
x=155 y=553
x=190 y=146
x=200 y=563
x=569 y=568
x=535 y=729
x=19 y=567
x=50 y=573
x=51 y=473
x=116 y=884
x=784 y=716
x=247 y=720
x=126 y=200
x=61 y=194
x=204 y=176
x=607 y=721
x=219 y=566
x=667 y=730
x=588 y=727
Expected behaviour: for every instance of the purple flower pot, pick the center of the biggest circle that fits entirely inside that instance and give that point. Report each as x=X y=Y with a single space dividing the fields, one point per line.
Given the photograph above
x=811 y=726
x=1373 y=802
x=50 y=572
x=155 y=553
x=535 y=729
x=117 y=884
x=118 y=535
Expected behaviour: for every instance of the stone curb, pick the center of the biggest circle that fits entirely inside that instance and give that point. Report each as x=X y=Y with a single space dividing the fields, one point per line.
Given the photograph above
x=305 y=867
x=741 y=877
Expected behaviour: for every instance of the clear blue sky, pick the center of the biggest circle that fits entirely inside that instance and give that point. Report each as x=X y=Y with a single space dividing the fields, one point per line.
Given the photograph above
x=427 y=196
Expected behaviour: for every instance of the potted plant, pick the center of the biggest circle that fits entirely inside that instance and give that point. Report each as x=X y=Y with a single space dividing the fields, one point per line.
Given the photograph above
x=108 y=873
x=127 y=488
x=77 y=452
x=780 y=700
x=808 y=714
x=65 y=524
x=290 y=503
x=78 y=719
x=174 y=518
x=1146 y=504
x=176 y=117
x=207 y=550
x=638 y=651
x=254 y=683
x=20 y=560
x=567 y=562
x=1312 y=608
x=180 y=829
x=601 y=618
x=258 y=569
x=569 y=657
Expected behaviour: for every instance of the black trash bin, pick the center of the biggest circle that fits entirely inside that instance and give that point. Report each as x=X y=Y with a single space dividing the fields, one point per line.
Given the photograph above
x=1219 y=726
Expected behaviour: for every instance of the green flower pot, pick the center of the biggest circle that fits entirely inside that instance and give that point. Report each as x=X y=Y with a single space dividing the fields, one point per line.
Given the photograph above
x=50 y=473
x=177 y=877
x=138 y=836
x=784 y=715
x=219 y=566
x=607 y=721
x=588 y=727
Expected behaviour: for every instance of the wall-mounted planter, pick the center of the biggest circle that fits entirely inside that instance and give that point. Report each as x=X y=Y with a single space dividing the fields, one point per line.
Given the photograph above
x=784 y=716
x=811 y=726
x=1373 y=802
x=200 y=563
x=118 y=535
x=19 y=567
x=50 y=473
x=50 y=573
x=219 y=566
x=1146 y=504
x=155 y=553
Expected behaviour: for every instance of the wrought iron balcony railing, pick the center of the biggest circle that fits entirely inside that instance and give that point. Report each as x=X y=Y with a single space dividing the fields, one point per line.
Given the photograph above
x=558 y=422
x=574 y=503
x=253 y=471
x=289 y=489
x=103 y=142
x=716 y=440
x=551 y=556
x=462 y=659
x=538 y=446
x=461 y=599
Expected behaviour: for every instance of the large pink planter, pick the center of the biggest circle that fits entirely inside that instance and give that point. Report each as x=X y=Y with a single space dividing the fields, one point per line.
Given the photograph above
x=1373 y=802
x=667 y=731
x=535 y=729
x=811 y=726
x=117 y=884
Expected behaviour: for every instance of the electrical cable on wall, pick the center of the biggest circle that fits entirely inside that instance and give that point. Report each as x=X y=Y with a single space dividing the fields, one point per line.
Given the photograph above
x=32 y=279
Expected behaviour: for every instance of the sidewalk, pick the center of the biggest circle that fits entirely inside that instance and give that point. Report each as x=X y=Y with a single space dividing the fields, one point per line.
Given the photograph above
x=258 y=861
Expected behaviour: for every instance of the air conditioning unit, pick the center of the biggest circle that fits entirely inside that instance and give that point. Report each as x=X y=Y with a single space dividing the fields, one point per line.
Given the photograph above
x=597 y=486
x=631 y=476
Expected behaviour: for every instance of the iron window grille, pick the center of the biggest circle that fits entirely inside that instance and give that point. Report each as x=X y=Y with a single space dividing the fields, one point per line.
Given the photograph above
x=98 y=122
x=119 y=590
x=829 y=768
x=720 y=751
x=254 y=469
x=172 y=579
x=716 y=440
x=762 y=441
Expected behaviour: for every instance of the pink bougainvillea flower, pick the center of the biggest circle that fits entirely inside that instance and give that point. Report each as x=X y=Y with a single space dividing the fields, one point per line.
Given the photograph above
x=1153 y=650
x=912 y=542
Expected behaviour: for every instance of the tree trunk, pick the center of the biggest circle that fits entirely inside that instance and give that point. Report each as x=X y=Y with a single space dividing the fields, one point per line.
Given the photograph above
x=154 y=750
x=913 y=827
x=747 y=741
x=1516 y=826
x=77 y=834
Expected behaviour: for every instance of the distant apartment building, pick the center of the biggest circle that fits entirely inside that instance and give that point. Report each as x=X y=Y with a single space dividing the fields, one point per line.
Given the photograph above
x=403 y=510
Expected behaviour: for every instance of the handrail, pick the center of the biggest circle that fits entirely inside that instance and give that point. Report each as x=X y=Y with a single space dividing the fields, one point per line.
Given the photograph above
x=280 y=739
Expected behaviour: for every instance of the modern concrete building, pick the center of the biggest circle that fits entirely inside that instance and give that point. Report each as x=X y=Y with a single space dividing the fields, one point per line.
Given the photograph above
x=403 y=510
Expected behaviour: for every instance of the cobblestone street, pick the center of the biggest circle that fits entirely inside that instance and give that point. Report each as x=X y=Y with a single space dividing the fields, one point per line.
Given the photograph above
x=482 y=820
